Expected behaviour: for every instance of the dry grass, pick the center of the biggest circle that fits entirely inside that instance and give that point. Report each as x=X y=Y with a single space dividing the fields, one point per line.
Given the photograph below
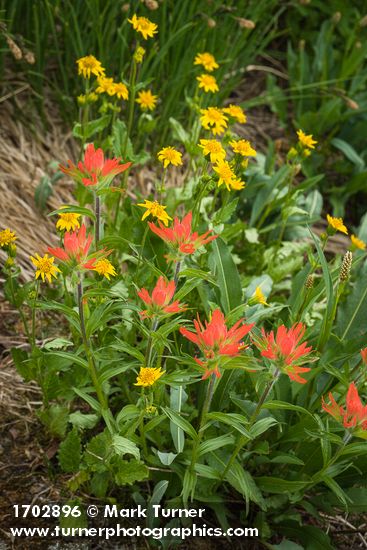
x=25 y=152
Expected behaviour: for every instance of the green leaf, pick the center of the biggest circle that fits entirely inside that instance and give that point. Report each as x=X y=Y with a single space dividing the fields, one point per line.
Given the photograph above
x=287 y=406
x=198 y=274
x=180 y=422
x=226 y=273
x=97 y=451
x=287 y=459
x=57 y=343
x=91 y=128
x=223 y=214
x=71 y=357
x=83 y=421
x=130 y=472
x=89 y=399
x=245 y=484
x=277 y=485
x=43 y=191
x=336 y=489
x=233 y=420
x=352 y=314
x=69 y=453
x=349 y=152
x=119 y=345
x=166 y=458
x=178 y=398
x=311 y=537
x=262 y=426
x=55 y=418
x=211 y=445
x=122 y=446
x=73 y=209
x=178 y=132
x=188 y=485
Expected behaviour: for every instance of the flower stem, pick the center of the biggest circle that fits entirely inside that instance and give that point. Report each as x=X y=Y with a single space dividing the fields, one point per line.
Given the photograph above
x=204 y=412
x=98 y=220
x=128 y=129
x=89 y=353
x=148 y=353
x=244 y=439
x=19 y=308
x=328 y=324
x=140 y=257
x=177 y=273
x=33 y=339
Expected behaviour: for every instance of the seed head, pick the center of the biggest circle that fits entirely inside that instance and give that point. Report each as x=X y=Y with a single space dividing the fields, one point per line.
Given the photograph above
x=151 y=4
x=30 y=58
x=309 y=281
x=14 y=48
x=346 y=267
x=246 y=23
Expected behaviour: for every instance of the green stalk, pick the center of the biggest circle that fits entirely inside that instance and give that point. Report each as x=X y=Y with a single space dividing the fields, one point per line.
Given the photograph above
x=98 y=221
x=148 y=353
x=21 y=312
x=128 y=129
x=325 y=333
x=140 y=257
x=33 y=339
x=177 y=273
x=141 y=429
x=244 y=439
x=319 y=475
x=89 y=352
x=204 y=412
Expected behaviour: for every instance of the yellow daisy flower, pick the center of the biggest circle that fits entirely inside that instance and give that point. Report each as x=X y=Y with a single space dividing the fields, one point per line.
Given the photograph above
x=146 y=28
x=121 y=90
x=89 y=65
x=336 y=224
x=45 y=267
x=169 y=155
x=7 y=237
x=106 y=86
x=243 y=147
x=236 y=112
x=358 y=243
x=147 y=100
x=237 y=184
x=259 y=297
x=207 y=60
x=104 y=267
x=148 y=376
x=213 y=148
x=214 y=120
x=208 y=83
x=306 y=141
x=227 y=176
x=156 y=210
x=68 y=221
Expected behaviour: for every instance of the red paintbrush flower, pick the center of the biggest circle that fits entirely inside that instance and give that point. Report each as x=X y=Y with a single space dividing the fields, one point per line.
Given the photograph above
x=286 y=350
x=180 y=238
x=159 y=302
x=76 y=246
x=95 y=168
x=364 y=355
x=354 y=415
x=215 y=339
